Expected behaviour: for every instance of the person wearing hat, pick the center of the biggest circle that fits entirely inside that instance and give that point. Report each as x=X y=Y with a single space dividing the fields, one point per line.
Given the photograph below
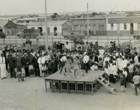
x=11 y=63
x=41 y=61
x=2 y=66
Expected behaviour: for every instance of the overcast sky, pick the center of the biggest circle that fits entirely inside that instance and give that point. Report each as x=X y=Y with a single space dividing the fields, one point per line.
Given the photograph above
x=9 y=7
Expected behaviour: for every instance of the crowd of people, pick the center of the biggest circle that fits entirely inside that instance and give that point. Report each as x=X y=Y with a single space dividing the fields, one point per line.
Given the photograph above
x=116 y=64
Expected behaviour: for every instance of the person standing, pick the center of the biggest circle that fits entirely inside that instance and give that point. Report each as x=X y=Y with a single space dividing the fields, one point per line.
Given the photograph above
x=67 y=46
x=86 y=62
x=136 y=80
x=41 y=61
x=2 y=66
x=122 y=83
x=11 y=62
x=68 y=66
x=76 y=66
x=36 y=66
x=18 y=62
x=25 y=63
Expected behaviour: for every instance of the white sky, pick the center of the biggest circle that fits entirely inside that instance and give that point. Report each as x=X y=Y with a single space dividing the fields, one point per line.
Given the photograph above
x=9 y=7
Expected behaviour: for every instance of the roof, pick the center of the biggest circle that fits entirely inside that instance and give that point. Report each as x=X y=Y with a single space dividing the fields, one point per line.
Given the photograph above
x=49 y=23
x=3 y=22
x=96 y=18
x=124 y=19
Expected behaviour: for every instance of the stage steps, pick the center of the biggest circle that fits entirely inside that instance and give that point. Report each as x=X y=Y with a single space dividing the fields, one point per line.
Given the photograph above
x=107 y=85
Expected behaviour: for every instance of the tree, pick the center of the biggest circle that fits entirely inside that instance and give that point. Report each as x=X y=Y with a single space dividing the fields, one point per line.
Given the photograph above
x=94 y=13
x=77 y=37
x=54 y=16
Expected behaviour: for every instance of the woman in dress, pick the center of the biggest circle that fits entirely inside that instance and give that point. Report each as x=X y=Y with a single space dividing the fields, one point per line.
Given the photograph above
x=2 y=66
x=68 y=66
x=76 y=66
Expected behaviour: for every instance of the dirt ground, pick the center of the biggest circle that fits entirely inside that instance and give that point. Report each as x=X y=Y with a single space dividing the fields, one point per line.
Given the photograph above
x=31 y=95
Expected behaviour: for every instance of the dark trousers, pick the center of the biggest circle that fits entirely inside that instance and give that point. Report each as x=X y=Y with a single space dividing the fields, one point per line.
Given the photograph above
x=26 y=70
x=37 y=71
x=6 y=65
x=12 y=72
x=137 y=86
x=86 y=67
x=62 y=64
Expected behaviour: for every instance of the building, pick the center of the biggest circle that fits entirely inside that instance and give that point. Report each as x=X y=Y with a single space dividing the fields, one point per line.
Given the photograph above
x=97 y=26
x=123 y=26
x=55 y=28
x=11 y=28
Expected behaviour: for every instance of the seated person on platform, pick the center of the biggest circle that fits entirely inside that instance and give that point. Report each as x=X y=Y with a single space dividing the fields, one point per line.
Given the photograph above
x=106 y=71
x=94 y=67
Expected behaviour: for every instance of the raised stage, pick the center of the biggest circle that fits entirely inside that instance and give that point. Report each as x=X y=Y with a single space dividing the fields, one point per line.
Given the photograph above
x=83 y=84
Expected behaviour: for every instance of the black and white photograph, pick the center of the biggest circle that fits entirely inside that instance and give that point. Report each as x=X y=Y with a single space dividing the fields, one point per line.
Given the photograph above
x=69 y=55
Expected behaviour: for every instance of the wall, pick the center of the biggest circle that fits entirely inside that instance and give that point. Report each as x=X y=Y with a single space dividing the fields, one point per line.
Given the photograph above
x=51 y=29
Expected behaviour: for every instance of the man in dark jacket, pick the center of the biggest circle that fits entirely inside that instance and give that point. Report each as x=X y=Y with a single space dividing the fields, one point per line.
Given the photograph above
x=11 y=62
x=25 y=63
x=36 y=66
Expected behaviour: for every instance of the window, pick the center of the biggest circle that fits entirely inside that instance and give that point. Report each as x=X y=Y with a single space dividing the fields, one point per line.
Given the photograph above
x=55 y=31
x=40 y=28
x=33 y=28
x=138 y=26
x=131 y=28
x=112 y=26
x=125 y=26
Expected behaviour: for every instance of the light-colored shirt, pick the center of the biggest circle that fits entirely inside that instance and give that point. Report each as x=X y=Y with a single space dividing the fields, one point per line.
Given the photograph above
x=125 y=73
x=136 y=60
x=131 y=68
x=2 y=60
x=136 y=79
x=106 y=59
x=47 y=57
x=68 y=46
x=41 y=60
x=114 y=69
x=63 y=59
x=85 y=59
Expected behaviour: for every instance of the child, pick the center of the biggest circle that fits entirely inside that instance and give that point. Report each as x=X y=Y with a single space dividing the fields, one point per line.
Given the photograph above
x=136 y=80
x=23 y=74
x=125 y=72
x=76 y=66
x=114 y=72
x=68 y=66
x=31 y=70
x=19 y=74
x=106 y=70
x=131 y=70
x=122 y=82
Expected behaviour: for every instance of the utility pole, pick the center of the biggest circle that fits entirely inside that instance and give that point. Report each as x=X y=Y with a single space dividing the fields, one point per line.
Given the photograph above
x=87 y=23
x=46 y=37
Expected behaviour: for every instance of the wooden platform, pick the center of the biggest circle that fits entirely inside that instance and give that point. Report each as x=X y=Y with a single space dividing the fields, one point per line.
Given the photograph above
x=84 y=84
